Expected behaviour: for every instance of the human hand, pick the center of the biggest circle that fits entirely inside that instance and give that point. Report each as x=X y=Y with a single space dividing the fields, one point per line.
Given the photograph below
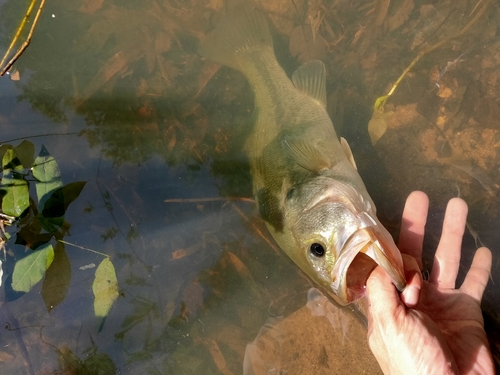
x=432 y=327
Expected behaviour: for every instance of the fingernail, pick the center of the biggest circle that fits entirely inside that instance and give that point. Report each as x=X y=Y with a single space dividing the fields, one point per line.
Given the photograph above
x=410 y=296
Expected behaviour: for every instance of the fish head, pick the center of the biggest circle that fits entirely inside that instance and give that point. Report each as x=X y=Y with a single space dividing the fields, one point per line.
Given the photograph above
x=340 y=241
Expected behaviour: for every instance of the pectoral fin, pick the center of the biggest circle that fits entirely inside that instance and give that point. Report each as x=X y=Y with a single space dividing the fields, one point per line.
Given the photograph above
x=306 y=154
x=348 y=152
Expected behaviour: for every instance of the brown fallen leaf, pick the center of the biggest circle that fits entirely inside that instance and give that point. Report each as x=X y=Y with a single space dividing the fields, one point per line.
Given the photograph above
x=206 y=75
x=91 y=6
x=149 y=48
x=240 y=266
x=378 y=125
x=192 y=299
x=381 y=8
x=218 y=357
x=244 y=273
x=232 y=336
x=181 y=253
x=6 y=357
x=170 y=138
x=215 y=4
x=115 y=65
x=163 y=42
x=305 y=45
x=401 y=15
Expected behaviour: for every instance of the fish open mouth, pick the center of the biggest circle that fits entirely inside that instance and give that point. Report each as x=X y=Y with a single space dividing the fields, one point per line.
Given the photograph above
x=366 y=249
x=356 y=276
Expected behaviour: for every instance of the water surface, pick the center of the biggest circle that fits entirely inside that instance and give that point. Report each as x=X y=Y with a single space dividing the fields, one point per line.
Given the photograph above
x=117 y=94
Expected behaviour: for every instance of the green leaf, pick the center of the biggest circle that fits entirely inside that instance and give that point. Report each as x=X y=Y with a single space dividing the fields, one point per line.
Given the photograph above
x=17 y=198
x=48 y=176
x=98 y=363
x=26 y=153
x=51 y=224
x=57 y=278
x=11 y=161
x=30 y=236
x=61 y=198
x=69 y=362
x=30 y=270
x=3 y=150
x=105 y=288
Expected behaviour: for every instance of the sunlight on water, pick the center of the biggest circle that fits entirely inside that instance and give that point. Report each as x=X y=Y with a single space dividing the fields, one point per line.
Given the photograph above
x=118 y=96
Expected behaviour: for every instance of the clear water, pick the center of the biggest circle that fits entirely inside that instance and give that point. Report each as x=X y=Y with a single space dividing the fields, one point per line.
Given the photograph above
x=116 y=93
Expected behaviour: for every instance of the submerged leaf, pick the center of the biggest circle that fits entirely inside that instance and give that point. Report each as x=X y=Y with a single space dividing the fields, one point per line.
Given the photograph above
x=51 y=224
x=30 y=235
x=11 y=161
x=245 y=274
x=58 y=202
x=26 y=153
x=68 y=361
x=99 y=363
x=30 y=270
x=57 y=278
x=48 y=175
x=378 y=125
x=475 y=172
x=401 y=15
x=306 y=45
x=90 y=6
x=105 y=288
x=16 y=198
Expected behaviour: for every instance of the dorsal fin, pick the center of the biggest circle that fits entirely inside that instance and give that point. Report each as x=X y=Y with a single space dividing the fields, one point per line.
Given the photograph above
x=348 y=152
x=310 y=78
x=306 y=155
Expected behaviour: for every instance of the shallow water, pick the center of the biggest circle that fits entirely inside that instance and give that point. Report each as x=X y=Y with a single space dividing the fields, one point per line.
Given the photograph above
x=117 y=94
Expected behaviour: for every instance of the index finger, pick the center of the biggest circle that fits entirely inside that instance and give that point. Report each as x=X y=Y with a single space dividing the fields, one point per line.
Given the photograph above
x=411 y=236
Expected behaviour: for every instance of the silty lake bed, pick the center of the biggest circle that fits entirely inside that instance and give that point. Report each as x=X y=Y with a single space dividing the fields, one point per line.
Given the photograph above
x=117 y=94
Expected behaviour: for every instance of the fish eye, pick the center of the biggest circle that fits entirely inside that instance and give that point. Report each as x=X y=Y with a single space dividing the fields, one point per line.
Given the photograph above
x=317 y=250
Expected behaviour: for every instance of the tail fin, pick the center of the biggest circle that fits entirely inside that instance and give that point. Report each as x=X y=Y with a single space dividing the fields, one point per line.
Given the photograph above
x=240 y=32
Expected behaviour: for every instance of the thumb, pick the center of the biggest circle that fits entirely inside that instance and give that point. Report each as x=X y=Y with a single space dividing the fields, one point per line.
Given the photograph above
x=381 y=293
x=411 y=294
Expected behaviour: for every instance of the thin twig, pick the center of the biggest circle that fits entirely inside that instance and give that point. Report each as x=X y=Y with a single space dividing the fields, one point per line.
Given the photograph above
x=257 y=229
x=380 y=102
x=84 y=248
x=26 y=42
x=18 y=32
x=36 y=136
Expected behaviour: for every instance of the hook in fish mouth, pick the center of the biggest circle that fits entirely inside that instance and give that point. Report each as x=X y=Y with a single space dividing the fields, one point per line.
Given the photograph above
x=366 y=249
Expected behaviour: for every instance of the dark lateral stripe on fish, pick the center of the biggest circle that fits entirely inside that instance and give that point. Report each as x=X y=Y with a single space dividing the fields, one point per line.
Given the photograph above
x=270 y=209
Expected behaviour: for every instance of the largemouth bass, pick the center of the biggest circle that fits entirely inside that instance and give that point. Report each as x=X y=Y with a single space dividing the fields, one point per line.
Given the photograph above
x=305 y=180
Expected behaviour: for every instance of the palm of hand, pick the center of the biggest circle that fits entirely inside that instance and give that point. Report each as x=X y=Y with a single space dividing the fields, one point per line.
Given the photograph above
x=458 y=317
x=434 y=327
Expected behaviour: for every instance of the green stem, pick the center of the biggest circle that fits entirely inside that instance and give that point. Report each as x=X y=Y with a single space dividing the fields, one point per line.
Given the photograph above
x=84 y=248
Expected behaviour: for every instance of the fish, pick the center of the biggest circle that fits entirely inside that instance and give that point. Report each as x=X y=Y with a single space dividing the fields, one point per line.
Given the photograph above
x=305 y=180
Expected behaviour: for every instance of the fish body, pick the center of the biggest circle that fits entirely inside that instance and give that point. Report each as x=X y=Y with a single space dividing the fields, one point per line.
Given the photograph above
x=305 y=180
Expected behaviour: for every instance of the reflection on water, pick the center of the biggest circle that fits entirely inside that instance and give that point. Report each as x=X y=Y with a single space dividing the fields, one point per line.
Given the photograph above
x=199 y=279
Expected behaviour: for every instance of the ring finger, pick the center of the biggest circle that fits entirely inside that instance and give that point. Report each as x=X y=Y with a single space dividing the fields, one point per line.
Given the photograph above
x=447 y=259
